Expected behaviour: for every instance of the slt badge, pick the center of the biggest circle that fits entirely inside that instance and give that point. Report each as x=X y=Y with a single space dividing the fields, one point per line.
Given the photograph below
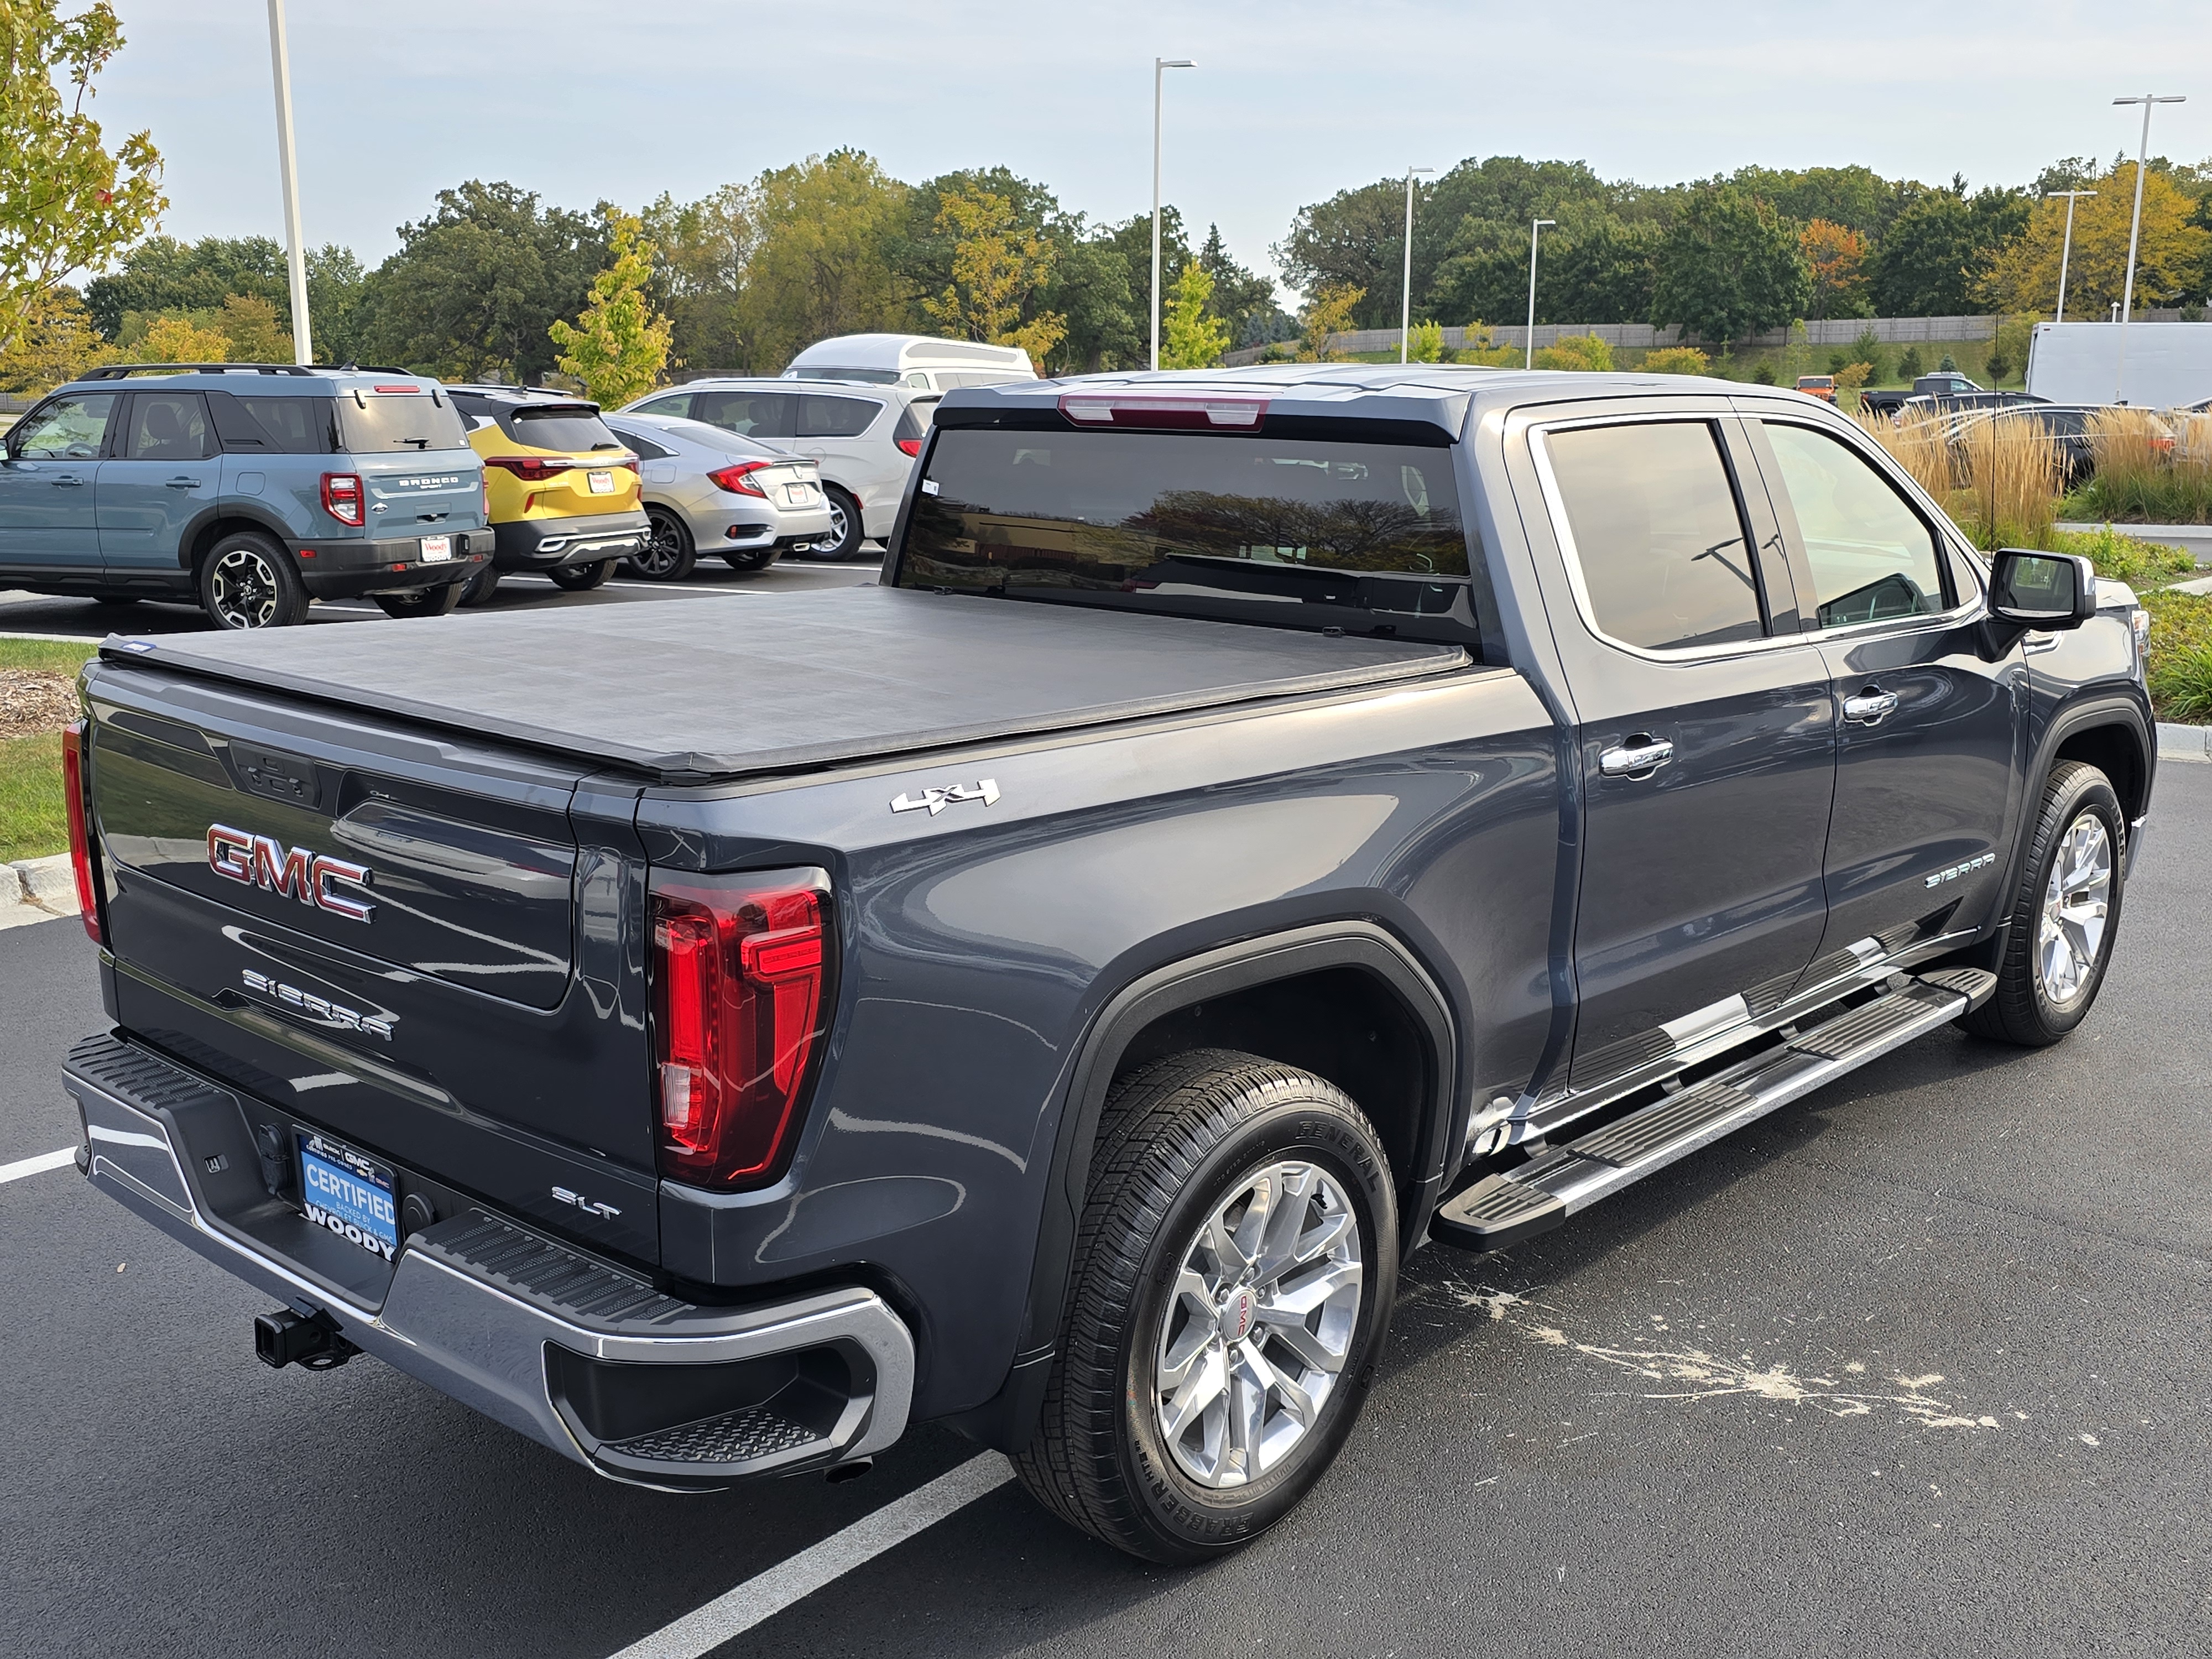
x=265 y=862
x=935 y=801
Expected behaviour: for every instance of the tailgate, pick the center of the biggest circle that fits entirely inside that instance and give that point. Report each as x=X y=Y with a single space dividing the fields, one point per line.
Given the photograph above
x=427 y=947
x=421 y=494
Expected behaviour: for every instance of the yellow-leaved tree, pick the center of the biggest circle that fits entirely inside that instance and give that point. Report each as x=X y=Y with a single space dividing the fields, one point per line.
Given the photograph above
x=619 y=345
x=1327 y=314
x=1189 y=337
x=999 y=269
x=176 y=338
x=2023 y=275
x=54 y=342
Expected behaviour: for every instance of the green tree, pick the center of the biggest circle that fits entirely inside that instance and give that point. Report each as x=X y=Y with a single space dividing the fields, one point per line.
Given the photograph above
x=178 y=339
x=67 y=202
x=1243 y=300
x=1191 y=336
x=1933 y=260
x=999 y=267
x=1676 y=360
x=1729 y=266
x=1330 y=311
x=619 y=345
x=822 y=266
x=701 y=252
x=56 y=344
x=1425 y=343
x=1582 y=352
x=476 y=284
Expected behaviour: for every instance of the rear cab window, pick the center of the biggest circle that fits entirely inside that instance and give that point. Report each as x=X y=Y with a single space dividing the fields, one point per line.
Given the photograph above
x=379 y=423
x=1303 y=532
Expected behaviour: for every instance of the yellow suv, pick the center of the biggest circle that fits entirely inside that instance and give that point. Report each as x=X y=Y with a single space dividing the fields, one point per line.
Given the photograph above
x=561 y=490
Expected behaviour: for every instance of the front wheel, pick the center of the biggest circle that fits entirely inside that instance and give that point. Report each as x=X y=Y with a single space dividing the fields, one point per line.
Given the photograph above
x=247 y=580
x=582 y=578
x=2065 y=917
x=1230 y=1294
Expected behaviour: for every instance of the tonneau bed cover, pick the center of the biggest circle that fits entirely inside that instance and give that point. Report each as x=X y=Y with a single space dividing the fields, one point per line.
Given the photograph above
x=722 y=687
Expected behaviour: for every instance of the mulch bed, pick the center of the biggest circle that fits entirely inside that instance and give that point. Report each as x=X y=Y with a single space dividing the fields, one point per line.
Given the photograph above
x=34 y=700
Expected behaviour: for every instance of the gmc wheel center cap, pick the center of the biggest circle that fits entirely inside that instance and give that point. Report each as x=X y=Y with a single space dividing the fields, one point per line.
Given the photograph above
x=1237 y=1313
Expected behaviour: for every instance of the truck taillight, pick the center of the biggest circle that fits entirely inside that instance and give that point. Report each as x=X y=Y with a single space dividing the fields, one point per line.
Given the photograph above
x=342 y=497
x=80 y=828
x=742 y=983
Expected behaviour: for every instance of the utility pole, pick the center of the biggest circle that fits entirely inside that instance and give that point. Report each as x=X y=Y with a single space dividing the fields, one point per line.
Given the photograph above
x=1406 y=298
x=1160 y=66
x=2066 y=251
x=2134 y=236
x=295 y=255
x=1528 y=360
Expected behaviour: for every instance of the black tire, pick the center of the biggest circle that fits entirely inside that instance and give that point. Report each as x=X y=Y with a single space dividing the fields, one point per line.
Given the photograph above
x=2036 y=1003
x=479 y=589
x=247 y=580
x=669 y=553
x=1181 y=1139
x=582 y=578
x=846 y=534
x=758 y=559
x=437 y=601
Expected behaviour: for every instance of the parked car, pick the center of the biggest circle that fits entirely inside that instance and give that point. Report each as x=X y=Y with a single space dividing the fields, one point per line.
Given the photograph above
x=253 y=488
x=1822 y=387
x=2066 y=426
x=866 y=439
x=708 y=490
x=562 y=492
x=918 y=361
x=1262 y=822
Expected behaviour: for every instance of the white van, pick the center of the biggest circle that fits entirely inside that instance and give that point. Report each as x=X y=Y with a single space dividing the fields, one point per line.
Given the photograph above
x=914 y=361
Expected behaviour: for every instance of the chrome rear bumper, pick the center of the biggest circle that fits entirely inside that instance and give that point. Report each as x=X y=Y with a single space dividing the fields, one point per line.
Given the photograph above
x=577 y=1354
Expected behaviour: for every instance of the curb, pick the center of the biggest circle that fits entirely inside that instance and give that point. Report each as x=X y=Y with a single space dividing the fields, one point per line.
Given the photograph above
x=37 y=890
x=2183 y=743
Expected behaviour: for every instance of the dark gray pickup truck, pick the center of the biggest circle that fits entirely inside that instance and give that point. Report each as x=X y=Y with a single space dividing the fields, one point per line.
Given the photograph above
x=1259 y=823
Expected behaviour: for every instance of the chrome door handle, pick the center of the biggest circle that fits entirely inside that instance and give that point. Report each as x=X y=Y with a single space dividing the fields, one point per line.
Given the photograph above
x=1639 y=757
x=183 y=483
x=67 y=478
x=1870 y=707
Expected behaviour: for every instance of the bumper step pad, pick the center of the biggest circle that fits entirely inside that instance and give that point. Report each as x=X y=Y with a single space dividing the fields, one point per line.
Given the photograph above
x=1541 y=1194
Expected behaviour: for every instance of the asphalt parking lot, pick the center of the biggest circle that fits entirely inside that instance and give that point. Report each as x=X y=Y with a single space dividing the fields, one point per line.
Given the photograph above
x=1920 y=1364
x=35 y=613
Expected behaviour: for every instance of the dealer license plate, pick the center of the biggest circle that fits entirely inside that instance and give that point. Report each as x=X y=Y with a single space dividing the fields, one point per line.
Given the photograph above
x=350 y=1193
x=602 y=483
x=436 y=549
x=800 y=494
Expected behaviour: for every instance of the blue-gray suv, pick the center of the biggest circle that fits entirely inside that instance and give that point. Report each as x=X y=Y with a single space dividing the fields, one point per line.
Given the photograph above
x=251 y=488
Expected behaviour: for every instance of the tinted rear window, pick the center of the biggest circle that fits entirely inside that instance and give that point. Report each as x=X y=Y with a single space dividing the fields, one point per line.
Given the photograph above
x=556 y=427
x=821 y=417
x=274 y=426
x=1303 y=532
x=373 y=425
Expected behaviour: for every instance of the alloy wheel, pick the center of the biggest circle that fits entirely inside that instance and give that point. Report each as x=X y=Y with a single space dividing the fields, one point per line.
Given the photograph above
x=663 y=552
x=2071 y=931
x=243 y=588
x=1253 y=1341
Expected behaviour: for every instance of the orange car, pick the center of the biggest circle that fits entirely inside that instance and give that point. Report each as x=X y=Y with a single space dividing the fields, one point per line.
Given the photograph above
x=1822 y=387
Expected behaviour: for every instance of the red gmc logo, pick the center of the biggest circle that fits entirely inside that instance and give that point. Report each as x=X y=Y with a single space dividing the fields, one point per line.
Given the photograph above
x=292 y=873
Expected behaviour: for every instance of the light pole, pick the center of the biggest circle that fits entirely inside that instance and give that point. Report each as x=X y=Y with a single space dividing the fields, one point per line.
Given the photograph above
x=1406 y=298
x=1160 y=65
x=1534 y=225
x=2135 y=234
x=2066 y=251
x=296 y=256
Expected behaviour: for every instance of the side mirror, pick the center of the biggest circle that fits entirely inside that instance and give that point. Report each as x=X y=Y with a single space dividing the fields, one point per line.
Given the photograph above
x=2042 y=590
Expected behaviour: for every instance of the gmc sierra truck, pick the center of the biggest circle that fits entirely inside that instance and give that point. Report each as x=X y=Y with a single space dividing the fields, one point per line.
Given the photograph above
x=1261 y=822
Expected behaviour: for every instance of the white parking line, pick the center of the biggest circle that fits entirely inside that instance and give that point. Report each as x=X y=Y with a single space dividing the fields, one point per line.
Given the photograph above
x=770 y=1593
x=38 y=1165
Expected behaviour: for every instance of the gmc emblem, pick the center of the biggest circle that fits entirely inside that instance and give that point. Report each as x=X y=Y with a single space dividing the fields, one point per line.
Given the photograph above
x=294 y=873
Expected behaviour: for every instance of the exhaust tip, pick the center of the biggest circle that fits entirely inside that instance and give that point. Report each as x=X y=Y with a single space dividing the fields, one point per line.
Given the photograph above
x=839 y=1472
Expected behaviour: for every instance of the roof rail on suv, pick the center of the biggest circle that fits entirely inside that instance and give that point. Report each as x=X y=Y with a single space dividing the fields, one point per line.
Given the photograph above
x=123 y=371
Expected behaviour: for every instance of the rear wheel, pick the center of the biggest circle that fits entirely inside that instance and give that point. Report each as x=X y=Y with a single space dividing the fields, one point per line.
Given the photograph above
x=582 y=578
x=247 y=580
x=429 y=602
x=669 y=555
x=2065 y=916
x=479 y=589
x=1229 y=1292
x=845 y=535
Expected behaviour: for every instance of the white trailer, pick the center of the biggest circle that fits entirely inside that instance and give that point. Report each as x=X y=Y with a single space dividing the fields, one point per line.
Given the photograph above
x=2165 y=365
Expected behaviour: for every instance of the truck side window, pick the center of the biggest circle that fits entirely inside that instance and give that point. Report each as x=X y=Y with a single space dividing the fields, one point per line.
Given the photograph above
x=1658 y=533
x=1872 y=557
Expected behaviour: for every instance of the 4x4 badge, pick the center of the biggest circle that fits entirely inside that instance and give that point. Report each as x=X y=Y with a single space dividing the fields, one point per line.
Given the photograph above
x=935 y=801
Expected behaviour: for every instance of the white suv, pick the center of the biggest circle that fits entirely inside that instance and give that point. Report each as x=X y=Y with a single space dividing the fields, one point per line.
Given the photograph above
x=864 y=437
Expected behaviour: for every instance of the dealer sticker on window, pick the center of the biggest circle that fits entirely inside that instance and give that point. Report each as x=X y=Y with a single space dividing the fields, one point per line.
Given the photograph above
x=349 y=1193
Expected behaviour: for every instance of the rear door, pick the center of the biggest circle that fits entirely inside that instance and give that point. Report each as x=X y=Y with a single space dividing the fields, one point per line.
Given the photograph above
x=1706 y=738
x=162 y=472
x=1932 y=744
x=851 y=437
x=428 y=949
x=47 y=524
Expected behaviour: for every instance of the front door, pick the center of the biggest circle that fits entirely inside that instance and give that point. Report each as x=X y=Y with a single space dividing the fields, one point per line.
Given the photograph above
x=162 y=473
x=1930 y=745
x=48 y=529
x=1707 y=738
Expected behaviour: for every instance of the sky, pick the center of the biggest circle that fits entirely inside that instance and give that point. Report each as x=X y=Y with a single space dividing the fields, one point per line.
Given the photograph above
x=1291 y=101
